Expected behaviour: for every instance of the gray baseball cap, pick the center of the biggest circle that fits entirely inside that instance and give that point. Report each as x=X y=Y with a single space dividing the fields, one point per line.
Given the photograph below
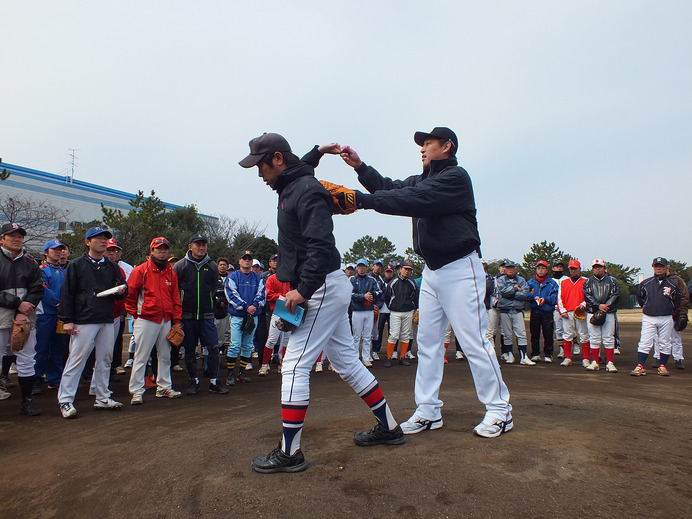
x=260 y=146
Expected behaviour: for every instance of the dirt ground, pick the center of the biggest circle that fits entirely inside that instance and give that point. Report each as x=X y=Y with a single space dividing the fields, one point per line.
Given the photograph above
x=584 y=444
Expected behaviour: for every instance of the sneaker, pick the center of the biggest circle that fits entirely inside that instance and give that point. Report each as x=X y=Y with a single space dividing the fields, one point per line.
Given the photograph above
x=178 y=367
x=387 y=362
x=379 y=435
x=526 y=361
x=410 y=356
x=129 y=363
x=616 y=351
x=491 y=428
x=6 y=383
x=679 y=364
x=655 y=363
x=639 y=371
x=445 y=360
x=548 y=360
x=576 y=349
x=319 y=368
x=375 y=356
x=53 y=386
x=136 y=399
x=561 y=355
x=168 y=393
x=4 y=395
x=404 y=362
x=395 y=355
x=510 y=358
x=242 y=377
x=663 y=371
x=585 y=363
x=249 y=367
x=566 y=362
x=13 y=369
x=29 y=407
x=459 y=355
x=610 y=368
x=109 y=403
x=68 y=410
x=264 y=370
x=255 y=355
x=192 y=389
x=218 y=389
x=119 y=370
x=504 y=357
x=37 y=388
x=536 y=358
x=278 y=461
x=230 y=381
x=416 y=424
x=367 y=363
x=279 y=368
x=331 y=368
x=593 y=366
x=149 y=382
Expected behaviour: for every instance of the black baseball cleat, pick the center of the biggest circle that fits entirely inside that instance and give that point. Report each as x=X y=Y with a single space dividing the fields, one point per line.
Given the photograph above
x=380 y=435
x=388 y=363
x=29 y=407
x=218 y=388
x=192 y=389
x=242 y=377
x=404 y=362
x=278 y=461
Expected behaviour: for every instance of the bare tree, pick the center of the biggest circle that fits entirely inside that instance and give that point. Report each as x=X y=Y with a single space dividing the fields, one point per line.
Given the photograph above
x=40 y=218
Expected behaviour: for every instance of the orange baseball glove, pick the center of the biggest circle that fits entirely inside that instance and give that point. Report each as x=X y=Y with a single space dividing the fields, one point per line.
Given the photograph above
x=343 y=198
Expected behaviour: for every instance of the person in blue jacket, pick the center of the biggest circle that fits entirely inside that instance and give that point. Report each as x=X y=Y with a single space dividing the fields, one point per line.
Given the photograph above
x=543 y=298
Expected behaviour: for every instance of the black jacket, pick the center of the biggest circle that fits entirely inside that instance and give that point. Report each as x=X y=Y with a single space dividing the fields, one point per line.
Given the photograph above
x=20 y=280
x=604 y=291
x=197 y=282
x=401 y=295
x=83 y=280
x=658 y=297
x=441 y=203
x=307 y=249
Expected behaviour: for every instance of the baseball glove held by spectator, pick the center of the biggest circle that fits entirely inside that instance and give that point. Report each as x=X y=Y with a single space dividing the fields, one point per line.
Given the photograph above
x=20 y=333
x=176 y=335
x=343 y=198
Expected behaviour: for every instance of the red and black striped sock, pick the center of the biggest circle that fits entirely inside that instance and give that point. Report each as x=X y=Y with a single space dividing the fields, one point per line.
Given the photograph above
x=373 y=396
x=293 y=416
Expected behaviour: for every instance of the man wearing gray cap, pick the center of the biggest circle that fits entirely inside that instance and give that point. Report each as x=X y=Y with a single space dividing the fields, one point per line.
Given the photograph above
x=445 y=234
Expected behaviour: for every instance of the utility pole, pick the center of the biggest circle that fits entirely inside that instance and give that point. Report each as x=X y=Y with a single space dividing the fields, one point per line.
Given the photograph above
x=73 y=163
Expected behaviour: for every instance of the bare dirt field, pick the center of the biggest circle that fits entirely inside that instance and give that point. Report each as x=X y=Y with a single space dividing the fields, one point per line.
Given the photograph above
x=584 y=445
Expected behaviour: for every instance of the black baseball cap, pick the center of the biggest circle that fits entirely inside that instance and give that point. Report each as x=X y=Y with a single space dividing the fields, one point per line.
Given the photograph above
x=439 y=132
x=260 y=146
x=558 y=262
x=247 y=253
x=659 y=261
x=198 y=237
x=11 y=227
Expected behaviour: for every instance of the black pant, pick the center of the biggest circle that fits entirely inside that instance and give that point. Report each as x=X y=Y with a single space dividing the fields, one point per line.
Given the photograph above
x=537 y=322
x=381 y=321
x=118 y=345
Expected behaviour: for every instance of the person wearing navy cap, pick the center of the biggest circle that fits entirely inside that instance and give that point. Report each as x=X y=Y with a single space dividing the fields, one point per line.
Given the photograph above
x=365 y=293
x=376 y=339
x=51 y=346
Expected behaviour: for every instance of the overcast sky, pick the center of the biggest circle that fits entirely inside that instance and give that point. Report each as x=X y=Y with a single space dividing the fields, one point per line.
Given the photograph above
x=574 y=118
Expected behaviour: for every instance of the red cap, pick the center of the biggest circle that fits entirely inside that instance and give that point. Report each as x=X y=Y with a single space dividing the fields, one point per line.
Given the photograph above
x=542 y=262
x=113 y=243
x=157 y=242
x=574 y=263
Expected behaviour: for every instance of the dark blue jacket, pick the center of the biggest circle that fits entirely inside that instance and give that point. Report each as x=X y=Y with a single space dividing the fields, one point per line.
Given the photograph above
x=361 y=286
x=658 y=297
x=547 y=290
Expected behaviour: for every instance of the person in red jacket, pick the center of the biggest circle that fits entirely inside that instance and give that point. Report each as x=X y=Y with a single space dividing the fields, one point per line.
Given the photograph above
x=153 y=300
x=274 y=289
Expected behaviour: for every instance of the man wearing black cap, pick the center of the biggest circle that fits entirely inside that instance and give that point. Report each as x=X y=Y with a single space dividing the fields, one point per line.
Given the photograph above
x=659 y=299
x=88 y=318
x=310 y=262
x=197 y=279
x=445 y=235
x=21 y=290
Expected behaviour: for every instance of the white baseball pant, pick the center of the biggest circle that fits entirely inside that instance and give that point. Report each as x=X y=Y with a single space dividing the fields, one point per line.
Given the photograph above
x=559 y=327
x=86 y=338
x=573 y=327
x=362 y=328
x=147 y=335
x=603 y=335
x=493 y=324
x=656 y=328
x=455 y=293
x=326 y=327
x=512 y=323
x=676 y=346
x=400 y=324
x=25 y=356
x=275 y=334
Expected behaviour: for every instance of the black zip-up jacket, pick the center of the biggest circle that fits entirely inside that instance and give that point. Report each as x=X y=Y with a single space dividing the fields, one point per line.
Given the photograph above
x=83 y=280
x=220 y=312
x=197 y=282
x=441 y=203
x=684 y=296
x=401 y=295
x=307 y=249
x=20 y=280
x=604 y=291
x=658 y=297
